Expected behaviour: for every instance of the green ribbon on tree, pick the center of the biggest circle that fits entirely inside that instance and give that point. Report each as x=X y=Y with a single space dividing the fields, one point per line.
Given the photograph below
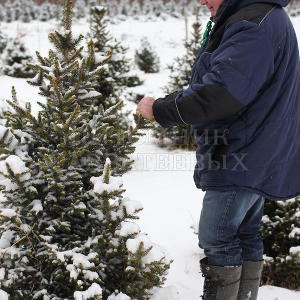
x=206 y=32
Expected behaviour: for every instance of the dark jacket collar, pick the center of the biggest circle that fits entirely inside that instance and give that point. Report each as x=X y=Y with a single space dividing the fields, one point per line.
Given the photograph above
x=228 y=7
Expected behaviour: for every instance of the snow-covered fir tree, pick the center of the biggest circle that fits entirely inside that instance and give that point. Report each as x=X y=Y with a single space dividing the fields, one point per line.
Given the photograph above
x=118 y=65
x=158 y=7
x=135 y=9
x=26 y=18
x=106 y=83
x=16 y=58
x=114 y=10
x=33 y=9
x=45 y=13
x=8 y=13
x=280 y=231
x=180 y=72
x=171 y=9
x=3 y=41
x=53 y=9
x=80 y=9
x=17 y=9
x=148 y=9
x=2 y=13
x=146 y=58
x=66 y=230
x=57 y=13
x=98 y=27
x=123 y=135
x=124 y=7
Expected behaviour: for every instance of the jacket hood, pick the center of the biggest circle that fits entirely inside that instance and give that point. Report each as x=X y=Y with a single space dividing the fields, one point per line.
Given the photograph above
x=228 y=7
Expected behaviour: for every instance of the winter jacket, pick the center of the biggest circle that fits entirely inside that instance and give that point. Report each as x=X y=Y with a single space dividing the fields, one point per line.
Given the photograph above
x=243 y=102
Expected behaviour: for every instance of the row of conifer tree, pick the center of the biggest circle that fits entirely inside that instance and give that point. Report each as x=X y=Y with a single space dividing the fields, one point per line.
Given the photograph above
x=27 y=10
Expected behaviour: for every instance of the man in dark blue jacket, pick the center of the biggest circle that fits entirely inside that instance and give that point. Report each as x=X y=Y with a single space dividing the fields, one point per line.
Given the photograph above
x=243 y=103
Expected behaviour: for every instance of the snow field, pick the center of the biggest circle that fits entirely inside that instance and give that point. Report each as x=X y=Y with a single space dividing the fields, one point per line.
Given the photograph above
x=160 y=179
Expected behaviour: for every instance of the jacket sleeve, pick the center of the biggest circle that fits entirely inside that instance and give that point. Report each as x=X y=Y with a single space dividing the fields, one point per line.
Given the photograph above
x=239 y=68
x=165 y=111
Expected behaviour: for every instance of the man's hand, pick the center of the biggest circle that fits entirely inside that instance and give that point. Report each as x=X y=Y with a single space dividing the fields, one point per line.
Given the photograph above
x=145 y=108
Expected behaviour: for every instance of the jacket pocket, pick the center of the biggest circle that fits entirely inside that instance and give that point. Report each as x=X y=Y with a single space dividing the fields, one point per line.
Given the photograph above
x=212 y=145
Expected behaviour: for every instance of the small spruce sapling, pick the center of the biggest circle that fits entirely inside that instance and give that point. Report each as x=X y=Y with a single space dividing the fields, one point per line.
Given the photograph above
x=16 y=58
x=146 y=59
x=280 y=231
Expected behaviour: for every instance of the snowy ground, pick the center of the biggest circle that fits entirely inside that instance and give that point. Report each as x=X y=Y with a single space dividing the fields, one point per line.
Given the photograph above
x=161 y=180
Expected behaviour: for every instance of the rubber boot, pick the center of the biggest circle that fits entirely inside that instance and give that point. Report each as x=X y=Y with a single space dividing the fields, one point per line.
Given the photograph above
x=221 y=283
x=250 y=280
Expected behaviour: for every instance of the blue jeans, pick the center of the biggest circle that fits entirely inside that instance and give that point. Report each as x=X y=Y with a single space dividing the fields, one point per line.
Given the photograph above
x=229 y=227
